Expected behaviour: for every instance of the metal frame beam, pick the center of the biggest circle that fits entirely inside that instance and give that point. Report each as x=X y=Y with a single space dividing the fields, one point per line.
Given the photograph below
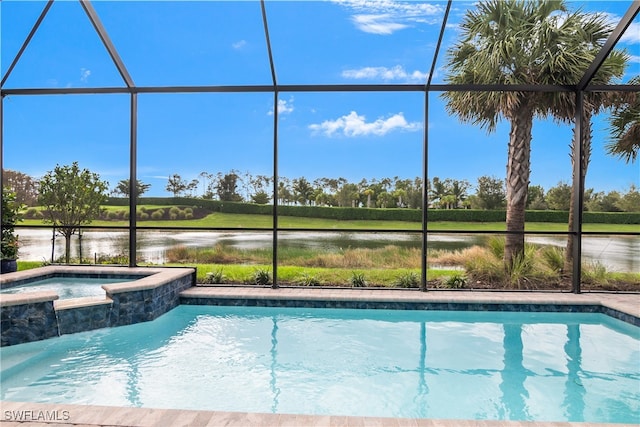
x=274 y=88
x=578 y=195
x=276 y=94
x=425 y=154
x=106 y=41
x=133 y=180
x=608 y=46
x=27 y=41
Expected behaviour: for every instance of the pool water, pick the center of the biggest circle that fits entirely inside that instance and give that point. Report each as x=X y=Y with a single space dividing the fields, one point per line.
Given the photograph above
x=67 y=287
x=388 y=363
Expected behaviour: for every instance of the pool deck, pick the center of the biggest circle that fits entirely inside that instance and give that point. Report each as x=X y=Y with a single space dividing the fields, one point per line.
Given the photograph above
x=36 y=414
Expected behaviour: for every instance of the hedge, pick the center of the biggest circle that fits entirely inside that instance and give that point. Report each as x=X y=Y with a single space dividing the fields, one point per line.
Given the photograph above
x=392 y=214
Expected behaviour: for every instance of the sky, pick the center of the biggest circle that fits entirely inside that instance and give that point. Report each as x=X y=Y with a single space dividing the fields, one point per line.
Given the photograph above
x=354 y=135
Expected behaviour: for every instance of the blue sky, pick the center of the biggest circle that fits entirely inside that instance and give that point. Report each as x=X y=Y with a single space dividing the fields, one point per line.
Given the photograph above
x=351 y=135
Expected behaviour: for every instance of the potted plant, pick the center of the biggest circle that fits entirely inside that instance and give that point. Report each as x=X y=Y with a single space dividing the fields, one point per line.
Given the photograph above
x=11 y=214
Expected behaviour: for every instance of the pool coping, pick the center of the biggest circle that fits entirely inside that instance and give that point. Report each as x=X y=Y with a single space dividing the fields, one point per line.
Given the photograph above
x=93 y=415
x=626 y=305
x=143 y=278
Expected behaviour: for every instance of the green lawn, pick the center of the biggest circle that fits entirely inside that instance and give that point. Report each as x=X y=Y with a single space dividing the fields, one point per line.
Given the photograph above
x=226 y=220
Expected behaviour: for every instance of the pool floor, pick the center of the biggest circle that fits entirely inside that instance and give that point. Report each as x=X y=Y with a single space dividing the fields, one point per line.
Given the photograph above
x=119 y=416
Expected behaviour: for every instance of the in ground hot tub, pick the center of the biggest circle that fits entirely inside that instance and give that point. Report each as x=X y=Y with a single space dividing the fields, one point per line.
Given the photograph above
x=140 y=294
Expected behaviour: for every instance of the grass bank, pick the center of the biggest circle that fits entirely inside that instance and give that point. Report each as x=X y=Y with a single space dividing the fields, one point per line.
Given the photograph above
x=227 y=220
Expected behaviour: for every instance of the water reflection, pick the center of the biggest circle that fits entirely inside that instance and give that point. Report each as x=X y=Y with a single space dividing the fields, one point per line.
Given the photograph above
x=574 y=393
x=514 y=375
x=618 y=253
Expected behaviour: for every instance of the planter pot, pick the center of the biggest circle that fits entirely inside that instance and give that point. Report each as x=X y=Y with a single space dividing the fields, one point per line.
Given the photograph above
x=8 y=265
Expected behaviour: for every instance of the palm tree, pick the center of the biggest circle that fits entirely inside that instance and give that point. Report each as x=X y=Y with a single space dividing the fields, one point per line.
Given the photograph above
x=625 y=126
x=507 y=42
x=589 y=37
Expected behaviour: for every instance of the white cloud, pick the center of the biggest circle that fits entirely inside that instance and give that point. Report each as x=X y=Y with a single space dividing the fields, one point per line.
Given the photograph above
x=387 y=16
x=634 y=58
x=395 y=73
x=284 y=107
x=632 y=34
x=376 y=24
x=84 y=75
x=239 y=44
x=353 y=124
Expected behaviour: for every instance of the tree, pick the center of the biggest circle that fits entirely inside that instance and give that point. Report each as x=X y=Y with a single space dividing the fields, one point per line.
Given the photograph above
x=71 y=197
x=260 y=198
x=284 y=191
x=535 y=198
x=589 y=34
x=439 y=190
x=227 y=187
x=176 y=185
x=261 y=184
x=192 y=186
x=559 y=197
x=624 y=126
x=11 y=214
x=24 y=187
x=610 y=202
x=630 y=202
x=414 y=194
x=303 y=191
x=348 y=195
x=385 y=200
x=490 y=193
x=508 y=42
x=122 y=188
x=459 y=191
x=206 y=177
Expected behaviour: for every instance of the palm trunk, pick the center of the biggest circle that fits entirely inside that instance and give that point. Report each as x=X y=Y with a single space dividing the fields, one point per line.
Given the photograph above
x=518 y=170
x=586 y=156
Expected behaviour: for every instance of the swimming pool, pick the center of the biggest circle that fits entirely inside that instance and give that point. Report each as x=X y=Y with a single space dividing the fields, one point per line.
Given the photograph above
x=68 y=287
x=419 y=364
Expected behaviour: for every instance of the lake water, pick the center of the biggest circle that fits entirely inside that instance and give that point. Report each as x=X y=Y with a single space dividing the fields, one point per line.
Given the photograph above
x=617 y=253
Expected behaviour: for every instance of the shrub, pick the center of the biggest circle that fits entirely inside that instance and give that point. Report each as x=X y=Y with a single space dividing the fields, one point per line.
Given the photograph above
x=594 y=272
x=144 y=216
x=182 y=215
x=179 y=253
x=553 y=257
x=188 y=210
x=496 y=246
x=188 y=216
x=174 y=210
x=408 y=280
x=521 y=268
x=307 y=279
x=158 y=214
x=358 y=280
x=112 y=215
x=173 y=216
x=117 y=259
x=262 y=277
x=214 y=277
x=31 y=213
x=455 y=281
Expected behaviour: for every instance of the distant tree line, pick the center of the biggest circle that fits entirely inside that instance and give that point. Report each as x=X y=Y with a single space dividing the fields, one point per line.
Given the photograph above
x=488 y=193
